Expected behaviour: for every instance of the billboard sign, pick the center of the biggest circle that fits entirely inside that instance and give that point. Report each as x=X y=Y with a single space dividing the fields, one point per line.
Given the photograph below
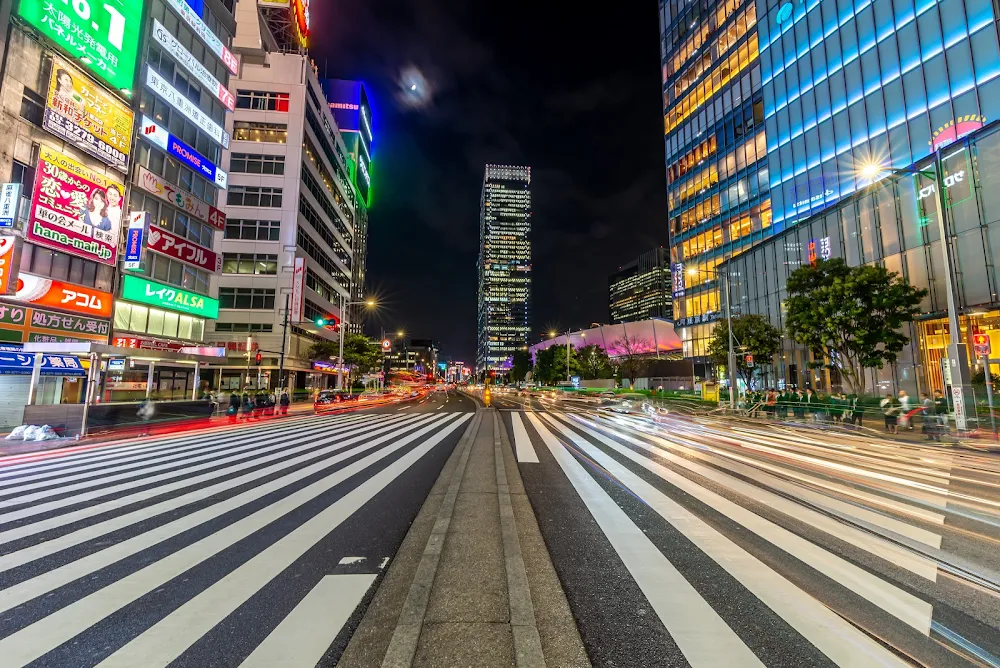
x=677 y=279
x=52 y=365
x=344 y=98
x=41 y=291
x=75 y=210
x=171 y=245
x=189 y=109
x=298 y=288
x=214 y=44
x=184 y=201
x=168 y=297
x=103 y=34
x=193 y=65
x=135 y=236
x=10 y=200
x=158 y=136
x=10 y=263
x=32 y=325
x=80 y=112
x=300 y=11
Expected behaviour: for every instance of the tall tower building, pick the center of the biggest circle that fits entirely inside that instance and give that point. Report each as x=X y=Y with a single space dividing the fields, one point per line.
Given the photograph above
x=504 y=265
x=716 y=154
x=641 y=289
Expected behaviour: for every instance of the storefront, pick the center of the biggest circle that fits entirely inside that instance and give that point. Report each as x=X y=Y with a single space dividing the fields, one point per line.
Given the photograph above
x=895 y=223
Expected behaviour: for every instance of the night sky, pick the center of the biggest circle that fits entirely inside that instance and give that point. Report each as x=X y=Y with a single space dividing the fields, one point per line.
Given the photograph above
x=575 y=94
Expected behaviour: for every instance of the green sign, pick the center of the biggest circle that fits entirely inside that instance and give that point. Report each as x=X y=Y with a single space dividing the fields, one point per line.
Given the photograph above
x=103 y=35
x=167 y=296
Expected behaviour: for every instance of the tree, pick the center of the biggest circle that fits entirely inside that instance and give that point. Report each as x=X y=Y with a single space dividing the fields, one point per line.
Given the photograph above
x=850 y=317
x=361 y=354
x=550 y=365
x=520 y=365
x=323 y=350
x=632 y=354
x=594 y=363
x=755 y=336
x=544 y=361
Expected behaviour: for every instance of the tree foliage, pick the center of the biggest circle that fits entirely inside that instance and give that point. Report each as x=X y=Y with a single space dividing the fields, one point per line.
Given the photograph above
x=520 y=365
x=550 y=365
x=850 y=317
x=361 y=354
x=754 y=335
x=632 y=352
x=594 y=363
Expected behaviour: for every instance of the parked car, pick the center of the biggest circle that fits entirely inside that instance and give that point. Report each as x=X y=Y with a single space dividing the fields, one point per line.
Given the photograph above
x=331 y=398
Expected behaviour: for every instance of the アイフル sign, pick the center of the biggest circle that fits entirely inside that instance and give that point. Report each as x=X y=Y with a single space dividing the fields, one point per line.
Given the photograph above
x=74 y=209
x=168 y=297
x=81 y=113
x=171 y=245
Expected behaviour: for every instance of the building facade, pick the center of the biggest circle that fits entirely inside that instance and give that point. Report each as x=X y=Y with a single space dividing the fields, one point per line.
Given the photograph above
x=289 y=238
x=717 y=172
x=641 y=289
x=504 y=314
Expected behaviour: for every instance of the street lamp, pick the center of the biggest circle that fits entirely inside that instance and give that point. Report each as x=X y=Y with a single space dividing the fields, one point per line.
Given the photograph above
x=958 y=357
x=731 y=357
x=343 y=324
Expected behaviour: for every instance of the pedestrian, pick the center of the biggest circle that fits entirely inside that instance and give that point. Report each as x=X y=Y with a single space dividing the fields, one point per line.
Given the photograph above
x=234 y=407
x=798 y=409
x=890 y=410
x=941 y=413
x=284 y=401
x=246 y=409
x=810 y=401
x=928 y=419
x=836 y=408
x=145 y=413
x=904 y=410
x=856 y=412
x=772 y=403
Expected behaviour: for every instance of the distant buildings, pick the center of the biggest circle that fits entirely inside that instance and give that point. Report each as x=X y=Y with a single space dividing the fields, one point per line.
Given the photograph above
x=504 y=265
x=641 y=289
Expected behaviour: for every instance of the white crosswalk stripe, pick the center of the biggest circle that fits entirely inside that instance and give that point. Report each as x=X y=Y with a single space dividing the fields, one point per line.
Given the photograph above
x=106 y=541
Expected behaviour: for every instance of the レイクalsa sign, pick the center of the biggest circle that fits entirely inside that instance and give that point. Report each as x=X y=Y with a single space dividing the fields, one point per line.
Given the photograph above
x=168 y=297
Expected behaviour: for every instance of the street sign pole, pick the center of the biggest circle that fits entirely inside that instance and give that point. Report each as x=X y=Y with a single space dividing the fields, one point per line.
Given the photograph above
x=989 y=391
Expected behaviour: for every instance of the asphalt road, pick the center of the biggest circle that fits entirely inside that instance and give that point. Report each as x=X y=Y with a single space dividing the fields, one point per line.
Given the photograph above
x=255 y=545
x=709 y=542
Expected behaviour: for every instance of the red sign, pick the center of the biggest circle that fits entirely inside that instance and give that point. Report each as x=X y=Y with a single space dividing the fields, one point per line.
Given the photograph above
x=66 y=296
x=145 y=344
x=981 y=342
x=956 y=129
x=386 y=344
x=186 y=251
x=235 y=346
x=298 y=292
x=812 y=252
x=10 y=261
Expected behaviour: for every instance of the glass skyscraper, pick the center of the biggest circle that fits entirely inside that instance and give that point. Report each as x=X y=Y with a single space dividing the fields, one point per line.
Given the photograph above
x=641 y=289
x=716 y=157
x=504 y=266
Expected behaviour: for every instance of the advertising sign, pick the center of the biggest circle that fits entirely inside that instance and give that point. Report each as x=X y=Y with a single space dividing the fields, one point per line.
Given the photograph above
x=363 y=177
x=145 y=344
x=300 y=10
x=52 y=365
x=168 y=297
x=677 y=279
x=214 y=44
x=981 y=342
x=74 y=209
x=184 y=201
x=65 y=296
x=344 y=98
x=103 y=34
x=298 y=289
x=135 y=236
x=10 y=262
x=32 y=325
x=10 y=200
x=171 y=245
x=189 y=109
x=158 y=136
x=81 y=113
x=193 y=65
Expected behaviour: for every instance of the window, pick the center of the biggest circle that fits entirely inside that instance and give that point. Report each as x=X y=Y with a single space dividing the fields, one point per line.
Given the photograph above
x=254 y=196
x=320 y=287
x=247 y=298
x=261 y=100
x=265 y=132
x=249 y=263
x=32 y=107
x=313 y=249
x=257 y=164
x=242 y=327
x=23 y=174
x=252 y=230
x=63 y=267
x=167 y=270
x=145 y=320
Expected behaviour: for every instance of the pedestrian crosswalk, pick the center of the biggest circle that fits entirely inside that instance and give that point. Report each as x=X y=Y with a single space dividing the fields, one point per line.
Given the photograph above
x=746 y=558
x=152 y=552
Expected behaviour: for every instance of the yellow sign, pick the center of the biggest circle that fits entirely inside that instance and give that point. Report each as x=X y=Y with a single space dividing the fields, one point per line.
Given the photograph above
x=82 y=113
x=710 y=391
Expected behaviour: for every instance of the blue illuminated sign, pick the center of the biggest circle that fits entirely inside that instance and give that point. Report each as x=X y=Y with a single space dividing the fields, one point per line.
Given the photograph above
x=198 y=6
x=158 y=136
x=52 y=365
x=784 y=13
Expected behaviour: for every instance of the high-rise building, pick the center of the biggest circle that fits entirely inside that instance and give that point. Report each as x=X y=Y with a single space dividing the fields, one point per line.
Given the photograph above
x=504 y=265
x=289 y=239
x=641 y=289
x=717 y=175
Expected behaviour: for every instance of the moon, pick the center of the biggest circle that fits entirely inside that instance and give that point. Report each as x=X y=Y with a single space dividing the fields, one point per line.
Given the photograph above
x=414 y=89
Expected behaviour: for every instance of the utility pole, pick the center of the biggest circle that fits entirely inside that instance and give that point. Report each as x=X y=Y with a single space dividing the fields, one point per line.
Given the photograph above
x=284 y=338
x=733 y=391
x=340 y=359
x=568 y=339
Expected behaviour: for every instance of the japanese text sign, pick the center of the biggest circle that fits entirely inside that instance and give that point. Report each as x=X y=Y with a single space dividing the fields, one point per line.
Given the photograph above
x=193 y=65
x=166 y=296
x=52 y=365
x=171 y=245
x=135 y=236
x=189 y=109
x=210 y=39
x=66 y=296
x=158 y=136
x=104 y=34
x=10 y=200
x=74 y=209
x=184 y=201
x=80 y=112
x=10 y=261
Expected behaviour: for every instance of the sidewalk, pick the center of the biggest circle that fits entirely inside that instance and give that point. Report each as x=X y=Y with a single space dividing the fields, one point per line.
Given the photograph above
x=472 y=584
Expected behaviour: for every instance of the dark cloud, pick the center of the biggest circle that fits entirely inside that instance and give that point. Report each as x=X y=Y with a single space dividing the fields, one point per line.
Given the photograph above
x=574 y=94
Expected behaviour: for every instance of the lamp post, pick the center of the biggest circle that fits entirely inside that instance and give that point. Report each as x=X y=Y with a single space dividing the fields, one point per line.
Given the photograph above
x=731 y=357
x=321 y=322
x=957 y=353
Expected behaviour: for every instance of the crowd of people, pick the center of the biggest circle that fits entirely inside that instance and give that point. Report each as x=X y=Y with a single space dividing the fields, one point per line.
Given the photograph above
x=257 y=405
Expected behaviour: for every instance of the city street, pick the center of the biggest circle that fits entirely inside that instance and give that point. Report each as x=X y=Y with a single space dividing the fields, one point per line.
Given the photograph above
x=252 y=545
x=713 y=542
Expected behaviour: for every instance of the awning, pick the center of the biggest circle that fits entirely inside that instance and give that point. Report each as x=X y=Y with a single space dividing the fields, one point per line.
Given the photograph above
x=103 y=349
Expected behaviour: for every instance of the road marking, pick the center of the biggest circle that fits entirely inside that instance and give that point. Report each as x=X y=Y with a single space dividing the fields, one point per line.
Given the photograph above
x=909 y=609
x=439 y=407
x=302 y=638
x=62 y=575
x=701 y=634
x=522 y=443
x=172 y=635
x=405 y=407
x=831 y=634
x=350 y=560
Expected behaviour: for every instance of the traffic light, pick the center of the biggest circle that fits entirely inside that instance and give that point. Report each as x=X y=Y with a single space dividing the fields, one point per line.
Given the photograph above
x=321 y=322
x=258 y=358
